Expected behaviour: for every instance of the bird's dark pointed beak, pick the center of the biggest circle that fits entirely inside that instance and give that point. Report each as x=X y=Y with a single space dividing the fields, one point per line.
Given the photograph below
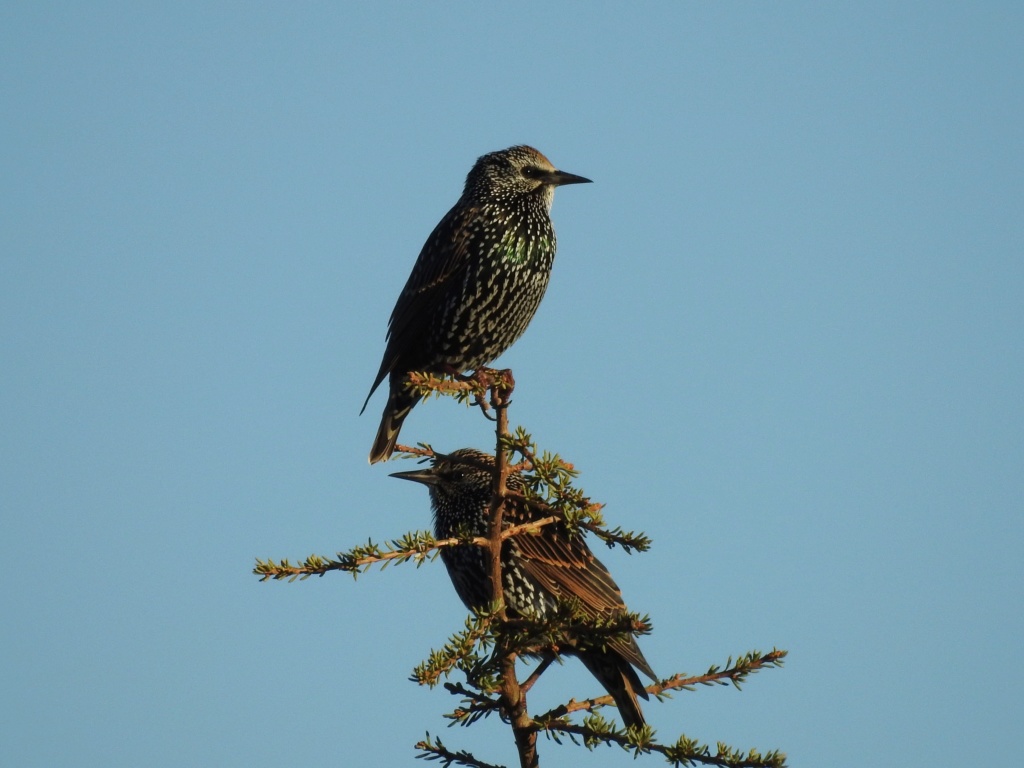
x=561 y=178
x=425 y=476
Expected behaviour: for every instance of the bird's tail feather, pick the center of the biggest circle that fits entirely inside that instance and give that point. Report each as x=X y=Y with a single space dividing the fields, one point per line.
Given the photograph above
x=399 y=404
x=621 y=681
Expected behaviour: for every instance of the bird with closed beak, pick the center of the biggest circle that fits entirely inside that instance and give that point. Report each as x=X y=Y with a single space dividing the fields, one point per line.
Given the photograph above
x=540 y=570
x=477 y=281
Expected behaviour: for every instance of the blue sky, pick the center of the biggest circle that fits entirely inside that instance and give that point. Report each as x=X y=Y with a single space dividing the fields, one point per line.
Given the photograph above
x=783 y=337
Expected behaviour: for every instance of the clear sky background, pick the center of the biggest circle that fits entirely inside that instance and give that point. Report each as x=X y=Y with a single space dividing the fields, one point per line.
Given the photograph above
x=783 y=337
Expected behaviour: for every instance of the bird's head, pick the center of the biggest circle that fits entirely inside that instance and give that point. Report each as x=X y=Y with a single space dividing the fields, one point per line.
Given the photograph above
x=516 y=171
x=458 y=474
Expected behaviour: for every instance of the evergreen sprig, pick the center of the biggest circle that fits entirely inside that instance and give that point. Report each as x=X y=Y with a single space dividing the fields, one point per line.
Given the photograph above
x=419 y=546
x=568 y=626
x=475 y=705
x=550 y=490
x=432 y=749
x=732 y=673
x=460 y=652
x=595 y=732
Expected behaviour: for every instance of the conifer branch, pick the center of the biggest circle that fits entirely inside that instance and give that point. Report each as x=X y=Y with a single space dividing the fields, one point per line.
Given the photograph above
x=429 y=385
x=567 y=625
x=529 y=682
x=476 y=705
x=419 y=546
x=733 y=673
x=595 y=731
x=433 y=749
x=458 y=652
x=420 y=450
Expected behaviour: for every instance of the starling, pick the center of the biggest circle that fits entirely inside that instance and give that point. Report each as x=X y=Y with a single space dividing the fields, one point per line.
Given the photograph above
x=539 y=569
x=477 y=282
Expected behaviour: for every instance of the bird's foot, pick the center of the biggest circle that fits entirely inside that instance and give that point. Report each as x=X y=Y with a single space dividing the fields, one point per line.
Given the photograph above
x=498 y=383
x=489 y=378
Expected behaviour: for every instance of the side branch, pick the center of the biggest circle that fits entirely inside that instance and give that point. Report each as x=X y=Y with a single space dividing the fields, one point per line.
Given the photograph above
x=499 y=384
x=419 y=546
x=457 y=652
x=684 y=752
x=433 y=749
x=733 y=673
x=430 y=383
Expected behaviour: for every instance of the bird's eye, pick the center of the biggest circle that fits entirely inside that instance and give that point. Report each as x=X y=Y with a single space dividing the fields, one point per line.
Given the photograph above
x=531 y=172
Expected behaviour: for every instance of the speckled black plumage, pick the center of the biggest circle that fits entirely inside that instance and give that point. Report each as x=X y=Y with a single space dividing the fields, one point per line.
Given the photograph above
x=477 y=282
x=538 y=570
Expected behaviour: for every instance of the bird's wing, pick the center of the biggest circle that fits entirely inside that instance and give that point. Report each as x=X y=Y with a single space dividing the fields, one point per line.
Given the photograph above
x=565 y=566
x=443 y=257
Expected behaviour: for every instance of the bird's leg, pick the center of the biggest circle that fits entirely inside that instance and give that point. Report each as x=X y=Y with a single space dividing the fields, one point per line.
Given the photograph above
x=483 y=377
x=501 y=383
